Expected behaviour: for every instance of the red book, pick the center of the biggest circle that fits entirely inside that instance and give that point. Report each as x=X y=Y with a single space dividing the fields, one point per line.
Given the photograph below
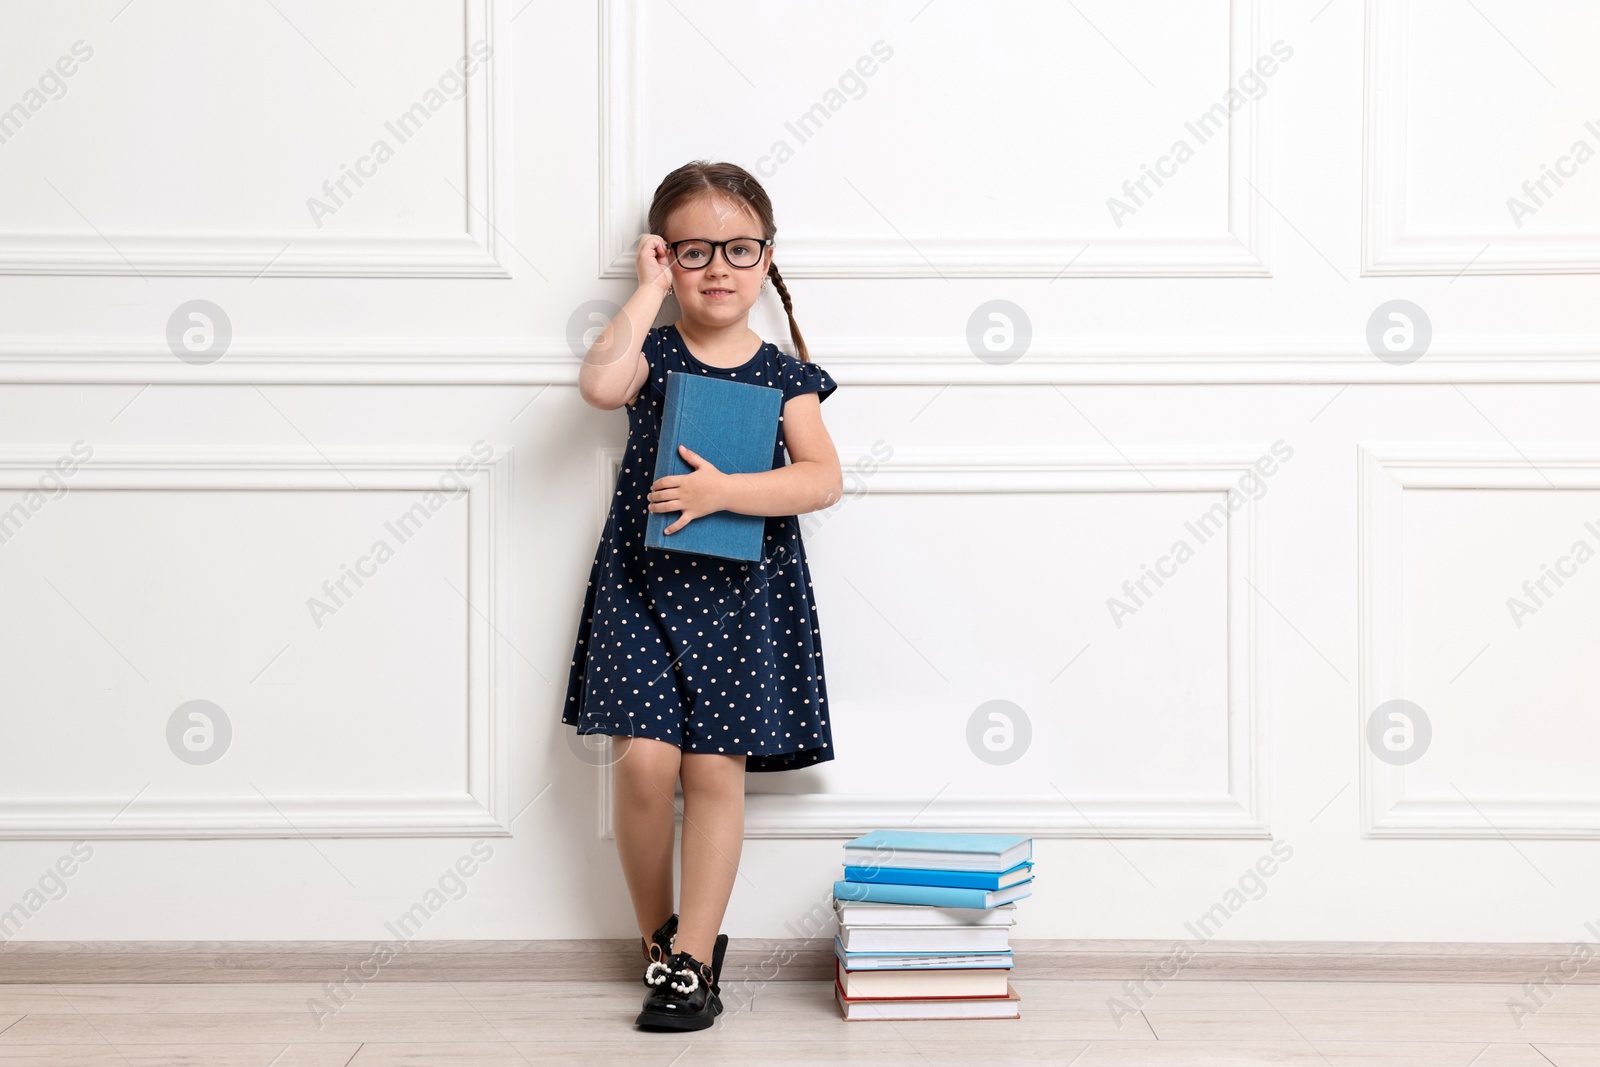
x=859 y=1009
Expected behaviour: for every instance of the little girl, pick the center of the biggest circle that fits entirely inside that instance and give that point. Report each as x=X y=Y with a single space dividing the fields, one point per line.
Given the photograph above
x=698 y=665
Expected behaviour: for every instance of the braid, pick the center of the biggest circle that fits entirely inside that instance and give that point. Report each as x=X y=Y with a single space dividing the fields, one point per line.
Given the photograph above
x=788 y=309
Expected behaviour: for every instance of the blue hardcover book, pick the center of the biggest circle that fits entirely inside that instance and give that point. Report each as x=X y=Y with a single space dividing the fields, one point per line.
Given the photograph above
x=946 y=852
x=937 y=895
x=935 y=876
x=735 y=426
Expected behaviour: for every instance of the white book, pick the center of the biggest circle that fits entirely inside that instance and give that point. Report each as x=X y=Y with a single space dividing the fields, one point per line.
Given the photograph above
x=951 y=982
x=868 y=913
x=925 y=938
x=873 y=961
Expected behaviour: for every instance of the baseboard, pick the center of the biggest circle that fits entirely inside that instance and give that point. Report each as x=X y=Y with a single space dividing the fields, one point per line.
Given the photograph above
x=762 y=960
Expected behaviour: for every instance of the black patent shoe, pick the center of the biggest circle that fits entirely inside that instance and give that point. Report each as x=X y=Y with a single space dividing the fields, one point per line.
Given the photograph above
x=656 y=971
x=690 y=999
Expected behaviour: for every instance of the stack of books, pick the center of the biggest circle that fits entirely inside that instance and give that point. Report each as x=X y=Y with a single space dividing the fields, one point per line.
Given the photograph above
x=925 y=925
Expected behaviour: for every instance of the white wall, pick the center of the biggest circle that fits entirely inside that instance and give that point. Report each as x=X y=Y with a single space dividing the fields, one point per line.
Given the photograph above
x=1001 y=499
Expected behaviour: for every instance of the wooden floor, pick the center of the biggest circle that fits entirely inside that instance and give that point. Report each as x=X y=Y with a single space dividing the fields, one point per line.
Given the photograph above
x=508 y=1024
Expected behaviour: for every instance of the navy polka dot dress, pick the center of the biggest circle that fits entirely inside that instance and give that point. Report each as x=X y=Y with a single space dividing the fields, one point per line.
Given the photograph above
x=711 y=655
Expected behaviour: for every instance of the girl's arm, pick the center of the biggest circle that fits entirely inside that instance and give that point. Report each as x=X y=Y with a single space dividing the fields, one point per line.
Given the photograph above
x=614 y=367
x=810 y=482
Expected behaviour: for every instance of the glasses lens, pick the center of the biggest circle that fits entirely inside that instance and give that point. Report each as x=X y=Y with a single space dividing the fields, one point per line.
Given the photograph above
x=694 y=254
x=742 y=253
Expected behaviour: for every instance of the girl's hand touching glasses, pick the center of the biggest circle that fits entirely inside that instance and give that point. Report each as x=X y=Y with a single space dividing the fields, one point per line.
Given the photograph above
x=654 y=262
x=700 y=492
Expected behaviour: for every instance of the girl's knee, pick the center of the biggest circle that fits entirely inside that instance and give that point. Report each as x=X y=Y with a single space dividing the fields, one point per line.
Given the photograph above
x=712 y=772
x=643 y=763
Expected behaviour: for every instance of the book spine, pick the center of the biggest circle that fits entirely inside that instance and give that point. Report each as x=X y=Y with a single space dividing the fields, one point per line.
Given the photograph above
x=923 y=876
x=656 y=524
x=992 y=845
x=922 y=856
x=941 y=896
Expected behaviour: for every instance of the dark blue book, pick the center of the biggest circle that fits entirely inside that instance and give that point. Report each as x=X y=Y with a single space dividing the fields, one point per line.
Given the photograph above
x=735 y=426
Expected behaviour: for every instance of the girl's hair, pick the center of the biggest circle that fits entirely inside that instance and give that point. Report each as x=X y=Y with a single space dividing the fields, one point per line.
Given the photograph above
x=699 y=178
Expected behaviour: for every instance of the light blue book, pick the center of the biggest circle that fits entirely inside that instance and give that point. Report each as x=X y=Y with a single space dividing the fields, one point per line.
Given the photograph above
x=918 y=961
x=934 y=876
x=735 y=426
x=947 y=852
x=937 y=895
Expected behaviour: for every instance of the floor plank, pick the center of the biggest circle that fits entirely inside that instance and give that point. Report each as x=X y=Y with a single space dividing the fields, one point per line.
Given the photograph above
x=1088 y=1023
x=282 y=1028
x=1318 y=1026
x=177 y=1055
x=1299 y=1054
x=70 y=999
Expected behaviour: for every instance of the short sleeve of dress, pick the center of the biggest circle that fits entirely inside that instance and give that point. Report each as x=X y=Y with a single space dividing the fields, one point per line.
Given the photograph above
x=651 y=350
x=801 y=377
x=653 y=340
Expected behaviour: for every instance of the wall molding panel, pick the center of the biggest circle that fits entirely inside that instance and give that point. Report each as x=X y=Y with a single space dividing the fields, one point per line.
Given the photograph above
x=1386 y=474
x=1238 y=253
x=911 y=361
x=1239 y=813
x=1387 y=247
x=481 y=809
x=477 y=252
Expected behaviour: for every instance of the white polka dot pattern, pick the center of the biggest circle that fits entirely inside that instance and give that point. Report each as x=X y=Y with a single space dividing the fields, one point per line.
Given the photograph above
x=708 y=654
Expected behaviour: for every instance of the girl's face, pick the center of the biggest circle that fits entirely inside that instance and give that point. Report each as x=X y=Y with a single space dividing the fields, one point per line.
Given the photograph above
x=717 y=294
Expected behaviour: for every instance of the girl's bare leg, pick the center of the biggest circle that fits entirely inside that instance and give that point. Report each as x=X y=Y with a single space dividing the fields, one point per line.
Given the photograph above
x=713 y=836
x=644 y=777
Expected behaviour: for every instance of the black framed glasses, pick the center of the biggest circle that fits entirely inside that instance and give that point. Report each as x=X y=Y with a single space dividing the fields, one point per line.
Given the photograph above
x=741 y=252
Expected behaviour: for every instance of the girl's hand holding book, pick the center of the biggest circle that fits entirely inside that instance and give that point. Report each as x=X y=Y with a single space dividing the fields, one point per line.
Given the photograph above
x=700 y=492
